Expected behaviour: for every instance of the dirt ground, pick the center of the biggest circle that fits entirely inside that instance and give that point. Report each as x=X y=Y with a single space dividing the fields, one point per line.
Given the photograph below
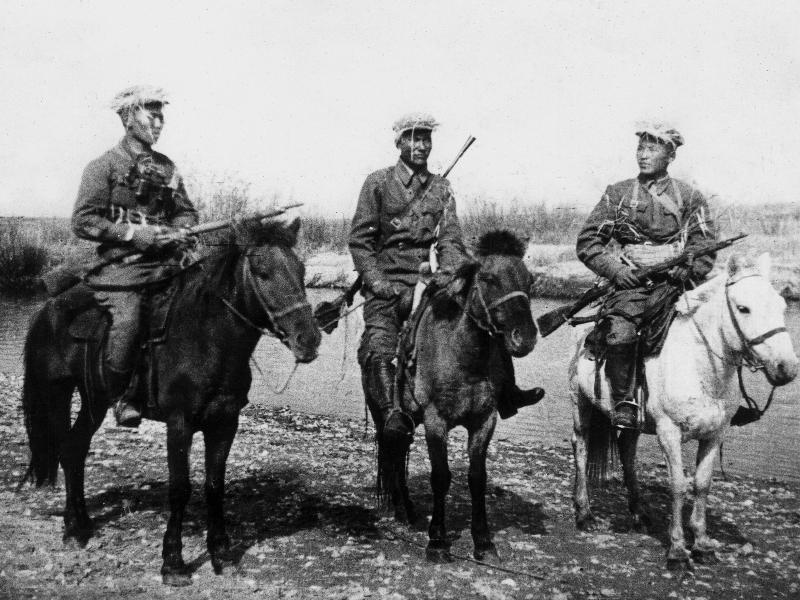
x=302 y=513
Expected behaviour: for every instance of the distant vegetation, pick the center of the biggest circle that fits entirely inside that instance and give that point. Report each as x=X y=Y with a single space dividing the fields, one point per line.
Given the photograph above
x=30 y=247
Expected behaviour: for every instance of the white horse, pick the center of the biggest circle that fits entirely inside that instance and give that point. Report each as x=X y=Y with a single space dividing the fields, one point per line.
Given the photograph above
x=733 y=319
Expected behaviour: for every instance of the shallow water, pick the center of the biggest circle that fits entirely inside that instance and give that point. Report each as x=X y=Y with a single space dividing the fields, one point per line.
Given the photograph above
x=332 y=385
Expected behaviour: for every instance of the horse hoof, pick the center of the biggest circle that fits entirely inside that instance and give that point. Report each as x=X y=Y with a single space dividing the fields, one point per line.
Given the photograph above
x=176 y=579
x=679 y=564
x=704 y=557
x=176 y=576
x=438 y=554
x=641 y=523
x=486 y=553
x=585 y=522
x=77 y=538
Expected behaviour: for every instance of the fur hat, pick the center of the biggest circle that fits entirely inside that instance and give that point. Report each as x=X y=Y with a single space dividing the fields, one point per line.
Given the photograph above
x=415 y=120
x=661 y=132
x=138 y=95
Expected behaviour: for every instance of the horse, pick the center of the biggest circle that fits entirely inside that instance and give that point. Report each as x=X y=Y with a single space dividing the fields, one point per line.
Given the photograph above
x=250 y=284
x=731 y=320
x=462 y=367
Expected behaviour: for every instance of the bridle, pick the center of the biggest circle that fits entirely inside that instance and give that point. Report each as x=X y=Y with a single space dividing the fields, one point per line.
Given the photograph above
x=272 y=328
x=489 y=325
x=748 y=356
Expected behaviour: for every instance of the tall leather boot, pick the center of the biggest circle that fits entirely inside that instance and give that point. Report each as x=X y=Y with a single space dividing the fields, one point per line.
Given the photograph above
x=394 y=426
x=619 y=368
x=512 y=398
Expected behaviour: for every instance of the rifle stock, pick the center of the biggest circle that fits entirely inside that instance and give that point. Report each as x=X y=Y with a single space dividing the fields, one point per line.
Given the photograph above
x=552 y=320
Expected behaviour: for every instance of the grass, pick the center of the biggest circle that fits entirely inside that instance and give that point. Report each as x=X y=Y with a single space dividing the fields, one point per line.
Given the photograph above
x=30 y=247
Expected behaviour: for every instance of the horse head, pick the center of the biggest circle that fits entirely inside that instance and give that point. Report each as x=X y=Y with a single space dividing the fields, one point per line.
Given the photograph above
x=272 y=284
x=494 y=291
x=756 y=327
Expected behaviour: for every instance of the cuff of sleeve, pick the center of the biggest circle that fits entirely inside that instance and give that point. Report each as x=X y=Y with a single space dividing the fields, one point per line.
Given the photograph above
x=122 y=232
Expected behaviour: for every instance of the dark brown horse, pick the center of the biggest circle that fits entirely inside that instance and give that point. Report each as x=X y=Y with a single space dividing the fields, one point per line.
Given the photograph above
x=464 y=340
x=201 y=374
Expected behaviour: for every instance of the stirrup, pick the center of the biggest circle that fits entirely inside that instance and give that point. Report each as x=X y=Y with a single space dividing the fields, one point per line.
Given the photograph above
x=127 y=414
x=626 y=420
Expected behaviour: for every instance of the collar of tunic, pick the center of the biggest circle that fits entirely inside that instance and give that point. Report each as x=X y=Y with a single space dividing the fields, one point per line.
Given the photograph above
x=405 y=174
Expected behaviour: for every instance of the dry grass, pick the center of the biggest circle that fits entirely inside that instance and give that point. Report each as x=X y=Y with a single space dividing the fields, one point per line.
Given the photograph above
x=29 y=247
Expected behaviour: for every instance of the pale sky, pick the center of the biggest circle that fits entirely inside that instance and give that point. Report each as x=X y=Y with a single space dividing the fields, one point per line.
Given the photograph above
x=297 y=98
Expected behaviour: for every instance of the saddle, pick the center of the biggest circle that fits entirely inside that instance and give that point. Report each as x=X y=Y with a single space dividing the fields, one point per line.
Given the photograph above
x=88 y=323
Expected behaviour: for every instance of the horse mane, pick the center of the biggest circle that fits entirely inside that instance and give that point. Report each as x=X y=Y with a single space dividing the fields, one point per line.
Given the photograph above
x=497 y=242
x=218 y=264
x=691 y=300
x=500 y=242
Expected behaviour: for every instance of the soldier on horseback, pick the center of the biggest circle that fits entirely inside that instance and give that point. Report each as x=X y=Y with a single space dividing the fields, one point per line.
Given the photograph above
x=653 y=217
x=402 y=211
x=133 y=202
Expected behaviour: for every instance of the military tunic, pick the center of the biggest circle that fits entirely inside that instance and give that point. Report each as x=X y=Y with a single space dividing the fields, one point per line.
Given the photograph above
x=637 y=211
x=106 y=207
x=398 y=216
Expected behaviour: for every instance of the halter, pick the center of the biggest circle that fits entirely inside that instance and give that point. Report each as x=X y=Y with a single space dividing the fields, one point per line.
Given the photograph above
x=490 y=326
x=272 y=316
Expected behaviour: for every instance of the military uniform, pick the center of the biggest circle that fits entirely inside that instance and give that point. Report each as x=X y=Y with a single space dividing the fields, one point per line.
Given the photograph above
x=399 y=215
x=651 y=220
x=123 y=193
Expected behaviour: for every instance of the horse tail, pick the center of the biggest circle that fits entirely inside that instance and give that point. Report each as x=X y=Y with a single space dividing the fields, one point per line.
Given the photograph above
x=601 y=446
x=45 y=423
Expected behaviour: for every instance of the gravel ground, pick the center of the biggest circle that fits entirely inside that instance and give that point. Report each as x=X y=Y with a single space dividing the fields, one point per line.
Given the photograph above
x=302 y=513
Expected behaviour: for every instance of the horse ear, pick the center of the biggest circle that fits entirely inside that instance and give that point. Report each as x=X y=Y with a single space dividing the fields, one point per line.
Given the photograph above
x=736 y=263
x=764 y=264
x=294 y=226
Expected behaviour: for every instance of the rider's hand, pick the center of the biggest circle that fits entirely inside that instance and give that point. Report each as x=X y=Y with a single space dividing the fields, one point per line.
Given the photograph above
x=679 y=273
x=384 y=289
x=145 y=238
x=625 y=279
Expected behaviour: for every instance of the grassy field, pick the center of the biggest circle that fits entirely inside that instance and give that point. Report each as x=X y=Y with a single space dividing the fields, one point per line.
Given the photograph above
x=30 y=247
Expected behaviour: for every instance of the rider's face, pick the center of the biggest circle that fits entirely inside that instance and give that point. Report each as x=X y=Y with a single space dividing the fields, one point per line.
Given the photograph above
x=653 y=157
x=146 y=122
x=415 y=147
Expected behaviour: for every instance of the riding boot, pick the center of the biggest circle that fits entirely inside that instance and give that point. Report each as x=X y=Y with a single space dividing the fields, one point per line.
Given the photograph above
x=394 y=426
x=619 y=367
x=512 y=398
x=126 y=409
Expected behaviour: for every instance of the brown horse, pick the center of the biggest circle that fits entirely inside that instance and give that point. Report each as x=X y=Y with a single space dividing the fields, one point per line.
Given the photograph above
x=464 y=340
x=200 y=374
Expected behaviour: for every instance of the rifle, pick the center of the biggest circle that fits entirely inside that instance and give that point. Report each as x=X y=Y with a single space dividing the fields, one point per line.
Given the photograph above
x=327 y=313
x=63 y=278
x=550 y=321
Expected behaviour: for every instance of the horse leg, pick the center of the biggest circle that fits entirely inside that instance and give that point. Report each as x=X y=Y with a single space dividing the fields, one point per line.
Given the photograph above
x=218 y=439
x=75 y=447
x=580 y=493
x=438 y=549
x=669 y=438
x=627 y=442
x=179 y=442
x=478 y=443
x=704 y=547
